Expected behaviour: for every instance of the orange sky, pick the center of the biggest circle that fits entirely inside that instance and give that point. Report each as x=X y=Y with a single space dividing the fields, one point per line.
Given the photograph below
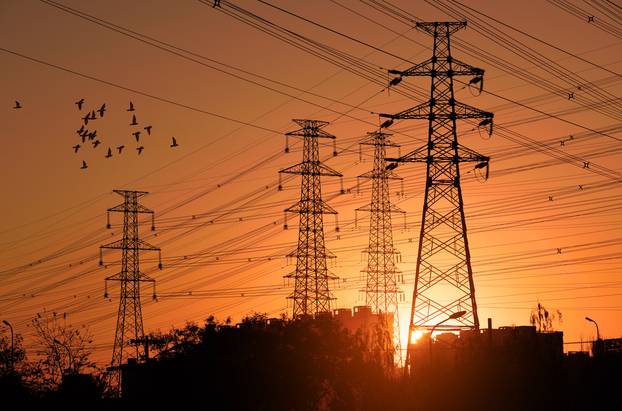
x=227 y=172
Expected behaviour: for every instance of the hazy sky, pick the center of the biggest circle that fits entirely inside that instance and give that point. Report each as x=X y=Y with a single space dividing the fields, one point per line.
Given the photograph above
x=542 y=228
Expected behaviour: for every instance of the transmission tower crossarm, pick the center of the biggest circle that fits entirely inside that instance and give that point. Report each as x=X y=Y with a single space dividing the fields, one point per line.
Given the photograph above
x=317 y=170
x=430 y=68
x=388 y=174
x=311 y=128
x=124 y=207
x=432 y=27
x=462 y=154
x=422 y=112
x=138 y=244
x=120 y=277
x=391 y=208
x=319 y=207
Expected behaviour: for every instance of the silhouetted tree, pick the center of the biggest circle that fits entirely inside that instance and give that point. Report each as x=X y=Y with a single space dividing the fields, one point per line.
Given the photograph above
x=542 y=319
x=65 y=349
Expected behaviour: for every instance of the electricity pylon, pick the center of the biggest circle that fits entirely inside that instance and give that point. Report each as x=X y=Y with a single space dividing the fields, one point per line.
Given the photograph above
x=311 y=289
x=129 y=318
x=381 y=291
x=444 y=277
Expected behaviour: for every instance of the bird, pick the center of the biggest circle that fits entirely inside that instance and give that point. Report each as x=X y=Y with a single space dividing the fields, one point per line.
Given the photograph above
x=76 y=148
x=92 y=135
x=84 y=134
x=140 y=149
x=148 y=128
x=174 y=142
x=102 y=110
x=134 y=122
x=17 y=104
x=96 y=143
x=79 y=103
x=109 y=153
x=93 y=115
x=84 y=166
x=80 y=130
x=136 y=135
x=131 y=107
x=86 y=118
x=120 y=148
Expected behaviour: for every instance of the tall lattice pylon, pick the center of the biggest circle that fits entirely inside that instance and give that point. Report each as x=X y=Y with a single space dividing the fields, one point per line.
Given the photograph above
x=444 y=278
x=311 y=279
x=382 y=292
x=129 y=319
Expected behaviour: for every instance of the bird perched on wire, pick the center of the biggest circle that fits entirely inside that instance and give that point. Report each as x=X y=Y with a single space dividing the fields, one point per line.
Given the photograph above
x=102 y=110
x=174 y=142
x=131 y=107
x=79 y=103
x=140 y=149
x=17 y=104
x=76 y=148
x=120 y=148
x=136 y=135
x=109 y=153
x=96 y=143
x=84 y=166
x=148 y=129
x=134 y=122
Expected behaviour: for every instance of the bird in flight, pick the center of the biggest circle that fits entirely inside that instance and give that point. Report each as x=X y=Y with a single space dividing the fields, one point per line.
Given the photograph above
x=102 y=110
x=79 y=103
x=93 y=115
x=84 y=166
x=174 y=143
x=134 y=122
x=17 y=104
x=109 y=153
x=76 y=148
x=140 y=149
x=81 y=130
x=96 y=143
x=136 y=135
x=148 y=128
x=131 y=107
x=120 y=148
x=86 y=118
x=92 y=135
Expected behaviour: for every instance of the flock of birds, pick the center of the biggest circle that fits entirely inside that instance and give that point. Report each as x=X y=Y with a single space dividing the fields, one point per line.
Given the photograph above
x=90 y=137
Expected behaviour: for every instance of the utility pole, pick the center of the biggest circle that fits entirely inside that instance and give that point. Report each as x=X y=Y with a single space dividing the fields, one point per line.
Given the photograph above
x=381 y=291
x=444 y=277
x=129 y=318
x=311 y=289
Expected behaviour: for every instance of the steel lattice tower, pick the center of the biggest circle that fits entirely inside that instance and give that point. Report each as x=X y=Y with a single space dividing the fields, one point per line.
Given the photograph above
x=129 y=319
x=444 y=278
x=311 y=289
x=381 y=291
